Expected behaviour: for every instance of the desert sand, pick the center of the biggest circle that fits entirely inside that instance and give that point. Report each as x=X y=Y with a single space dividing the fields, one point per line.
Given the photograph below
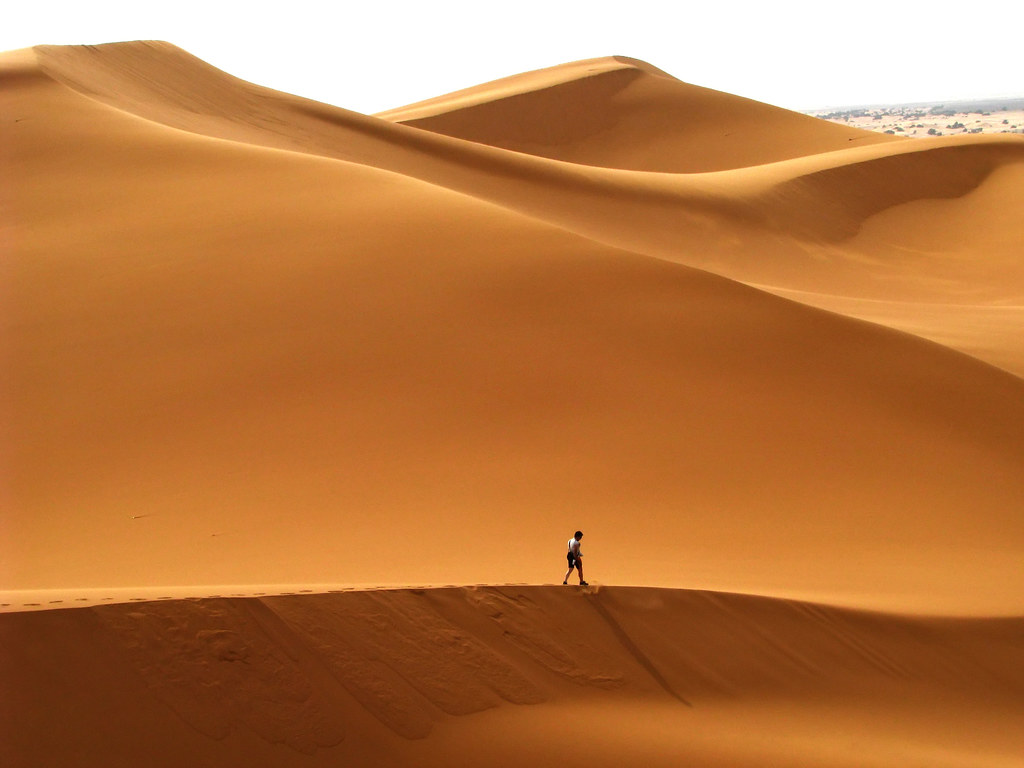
x=300 y=405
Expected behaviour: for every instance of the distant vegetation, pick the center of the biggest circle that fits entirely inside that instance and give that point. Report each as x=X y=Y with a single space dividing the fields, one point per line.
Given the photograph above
x=933 y=119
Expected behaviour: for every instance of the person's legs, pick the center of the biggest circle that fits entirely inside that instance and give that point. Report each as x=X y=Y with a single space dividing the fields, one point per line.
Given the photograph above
x=567 y=575
x=579 y=567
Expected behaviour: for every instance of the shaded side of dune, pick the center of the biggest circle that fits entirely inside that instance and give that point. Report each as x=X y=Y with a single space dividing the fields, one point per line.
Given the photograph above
x=412 y=674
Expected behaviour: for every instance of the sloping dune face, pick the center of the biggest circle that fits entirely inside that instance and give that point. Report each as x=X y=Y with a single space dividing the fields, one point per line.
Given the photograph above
x=887 y=232
x=430 y=677
x=233 y=364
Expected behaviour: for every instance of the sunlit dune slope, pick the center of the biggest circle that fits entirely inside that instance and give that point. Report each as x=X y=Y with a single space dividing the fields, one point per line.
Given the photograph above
x=429 y=677
x=945 y=265
x=623 y=113
x=229 y=364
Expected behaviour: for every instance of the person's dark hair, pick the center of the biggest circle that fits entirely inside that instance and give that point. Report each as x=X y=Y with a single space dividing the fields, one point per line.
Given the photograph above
x=578 y=535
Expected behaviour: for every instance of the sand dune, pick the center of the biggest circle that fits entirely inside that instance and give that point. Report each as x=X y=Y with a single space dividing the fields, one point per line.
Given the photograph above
x=623 y=113
x=827 y=194
x=426 y=677
x=788 y=226
x=333 y=346
x=257 y=341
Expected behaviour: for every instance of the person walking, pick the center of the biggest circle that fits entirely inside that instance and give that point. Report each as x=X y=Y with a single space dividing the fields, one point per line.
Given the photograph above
x=575 y=558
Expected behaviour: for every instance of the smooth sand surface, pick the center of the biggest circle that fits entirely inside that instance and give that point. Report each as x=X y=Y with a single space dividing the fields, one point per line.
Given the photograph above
x=255 y=344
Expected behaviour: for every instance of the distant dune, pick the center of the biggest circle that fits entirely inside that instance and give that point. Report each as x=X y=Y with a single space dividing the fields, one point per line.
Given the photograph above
x=623 y=113
x=257 y=344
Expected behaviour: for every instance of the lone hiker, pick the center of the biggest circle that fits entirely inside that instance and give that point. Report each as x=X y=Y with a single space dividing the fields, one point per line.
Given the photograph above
x=575 y=558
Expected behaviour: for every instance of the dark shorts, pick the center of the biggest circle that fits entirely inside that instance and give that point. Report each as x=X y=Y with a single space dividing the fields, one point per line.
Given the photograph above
x=571 y=559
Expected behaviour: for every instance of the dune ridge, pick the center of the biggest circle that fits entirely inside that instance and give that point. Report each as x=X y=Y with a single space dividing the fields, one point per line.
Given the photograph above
x=419 y=675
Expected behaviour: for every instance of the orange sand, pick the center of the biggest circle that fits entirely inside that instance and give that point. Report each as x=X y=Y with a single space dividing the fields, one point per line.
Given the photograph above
x=256 y=344
x=507 y=676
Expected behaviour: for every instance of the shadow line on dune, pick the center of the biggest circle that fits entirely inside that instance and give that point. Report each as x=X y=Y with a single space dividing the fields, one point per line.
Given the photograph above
x=633 y=649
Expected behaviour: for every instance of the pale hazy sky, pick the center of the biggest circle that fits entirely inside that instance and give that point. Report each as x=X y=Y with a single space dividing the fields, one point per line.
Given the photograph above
x=369 y=56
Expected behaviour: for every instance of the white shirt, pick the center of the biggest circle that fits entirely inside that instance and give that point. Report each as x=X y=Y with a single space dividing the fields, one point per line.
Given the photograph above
x=574 y=547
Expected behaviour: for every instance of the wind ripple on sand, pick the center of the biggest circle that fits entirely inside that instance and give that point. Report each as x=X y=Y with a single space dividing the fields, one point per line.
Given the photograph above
x=215 y=664
x=395 y=654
